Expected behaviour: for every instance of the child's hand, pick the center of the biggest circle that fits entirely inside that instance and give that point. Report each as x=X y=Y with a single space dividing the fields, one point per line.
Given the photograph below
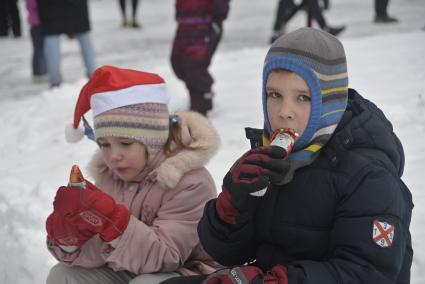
x=60 y=232
x=92 y=209
x=248 y=180
x=238 y=274
x=273 y=160
x=248 y=275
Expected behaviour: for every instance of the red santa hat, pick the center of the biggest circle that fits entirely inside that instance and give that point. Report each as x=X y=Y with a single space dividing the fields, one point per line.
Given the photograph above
x=125 y=103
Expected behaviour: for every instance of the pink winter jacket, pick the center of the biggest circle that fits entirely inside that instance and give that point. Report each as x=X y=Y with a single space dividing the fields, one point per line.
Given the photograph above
x=33 y=19
x=166 y=206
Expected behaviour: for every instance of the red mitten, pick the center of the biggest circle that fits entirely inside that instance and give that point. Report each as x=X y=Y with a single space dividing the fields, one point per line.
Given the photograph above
x=238 y=274
x=278 y=275
x=92 y=209
x=60 y=232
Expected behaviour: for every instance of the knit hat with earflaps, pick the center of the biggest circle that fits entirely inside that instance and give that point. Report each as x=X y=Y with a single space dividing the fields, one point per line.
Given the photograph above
x=125 y=103
x=319 y=58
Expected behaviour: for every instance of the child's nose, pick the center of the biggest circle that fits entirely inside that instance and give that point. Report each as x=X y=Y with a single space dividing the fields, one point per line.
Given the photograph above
x=286 y=111
x=116 y=155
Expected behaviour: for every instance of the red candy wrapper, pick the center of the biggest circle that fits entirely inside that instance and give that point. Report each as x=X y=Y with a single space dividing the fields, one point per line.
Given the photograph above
x=76 y=178
x=285 y=138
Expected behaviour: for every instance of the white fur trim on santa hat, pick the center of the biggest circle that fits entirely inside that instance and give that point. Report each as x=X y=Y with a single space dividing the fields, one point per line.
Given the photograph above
x=73 y=135
x=150 y=93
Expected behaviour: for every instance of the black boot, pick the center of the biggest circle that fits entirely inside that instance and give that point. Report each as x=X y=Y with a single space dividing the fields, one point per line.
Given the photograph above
x=201 y=103
x=385 y=19
x=334 y=30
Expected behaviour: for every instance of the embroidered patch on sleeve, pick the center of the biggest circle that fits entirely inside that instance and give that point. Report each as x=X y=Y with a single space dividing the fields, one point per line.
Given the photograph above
x=383 y=233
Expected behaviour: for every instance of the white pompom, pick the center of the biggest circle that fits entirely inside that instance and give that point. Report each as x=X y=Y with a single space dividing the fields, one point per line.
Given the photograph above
x=73 y=135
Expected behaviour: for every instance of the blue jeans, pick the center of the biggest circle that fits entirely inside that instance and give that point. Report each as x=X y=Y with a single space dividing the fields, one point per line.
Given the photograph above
x=38 y=61
x=53 y=57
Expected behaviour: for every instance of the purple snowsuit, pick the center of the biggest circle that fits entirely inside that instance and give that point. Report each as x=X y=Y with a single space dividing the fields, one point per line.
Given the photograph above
x=198 y=33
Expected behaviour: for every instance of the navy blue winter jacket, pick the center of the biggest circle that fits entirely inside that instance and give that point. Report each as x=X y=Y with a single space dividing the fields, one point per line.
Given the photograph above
x=322 y=225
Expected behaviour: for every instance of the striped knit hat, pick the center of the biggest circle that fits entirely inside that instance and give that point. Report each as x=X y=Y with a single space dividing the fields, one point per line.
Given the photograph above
x=318 y=58
x=125 y=103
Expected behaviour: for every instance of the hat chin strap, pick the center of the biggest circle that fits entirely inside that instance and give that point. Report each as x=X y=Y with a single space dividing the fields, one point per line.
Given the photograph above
x=88 y=130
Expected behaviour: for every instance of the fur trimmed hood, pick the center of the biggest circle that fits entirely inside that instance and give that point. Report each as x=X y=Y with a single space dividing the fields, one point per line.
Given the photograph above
x=167 y=170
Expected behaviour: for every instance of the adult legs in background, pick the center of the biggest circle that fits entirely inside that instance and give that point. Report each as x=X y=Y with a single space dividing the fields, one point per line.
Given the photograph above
x=15 y=19
x=152 y=278
x=381 y=8
x=123 y=12
x=53 y=59
x=381 y=15
x=39 y=67
x=285 y=9
x=316 y=13
x=134 y=5
x=4 y=18
x=63 y=274
x=87 y=52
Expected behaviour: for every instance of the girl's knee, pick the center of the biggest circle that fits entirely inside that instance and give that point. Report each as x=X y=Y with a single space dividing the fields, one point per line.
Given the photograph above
x=152 y=278
x=60 y=273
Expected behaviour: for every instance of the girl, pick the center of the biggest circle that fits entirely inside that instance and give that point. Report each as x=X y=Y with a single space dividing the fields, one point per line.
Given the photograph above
x=138 y=223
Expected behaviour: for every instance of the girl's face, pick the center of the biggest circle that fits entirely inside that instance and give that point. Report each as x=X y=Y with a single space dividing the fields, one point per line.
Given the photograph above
x=126 y=157
x=288 y=101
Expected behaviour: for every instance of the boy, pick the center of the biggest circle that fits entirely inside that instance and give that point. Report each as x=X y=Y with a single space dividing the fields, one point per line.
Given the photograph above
x=335 y=210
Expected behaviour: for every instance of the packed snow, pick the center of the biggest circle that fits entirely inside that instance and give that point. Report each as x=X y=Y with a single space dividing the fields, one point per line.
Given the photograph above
x=386 y=65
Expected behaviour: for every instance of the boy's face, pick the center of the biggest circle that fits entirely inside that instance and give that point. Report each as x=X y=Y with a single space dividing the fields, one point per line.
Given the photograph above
x=288 y=101
x=126 y=157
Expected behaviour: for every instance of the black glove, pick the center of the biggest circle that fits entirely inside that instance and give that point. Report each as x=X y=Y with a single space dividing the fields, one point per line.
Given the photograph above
x=273 y=161
x=248 y=180
x=248 y=275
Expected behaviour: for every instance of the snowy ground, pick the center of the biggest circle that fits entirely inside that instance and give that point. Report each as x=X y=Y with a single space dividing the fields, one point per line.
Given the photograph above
x=386 y=64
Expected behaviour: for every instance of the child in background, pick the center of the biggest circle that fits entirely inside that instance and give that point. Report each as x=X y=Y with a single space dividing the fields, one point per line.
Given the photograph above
x=39 y=68
x=199 y=31
x=335 y=210
x=138 y=223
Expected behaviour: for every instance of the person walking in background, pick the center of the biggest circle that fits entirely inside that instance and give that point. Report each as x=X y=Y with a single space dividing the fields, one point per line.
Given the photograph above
x=39 y=68
x=133 y=23
x=200 y=28
x=69 y=17
x=10 y=18
x=138 y=223
x=287 y=9
x=381 y=15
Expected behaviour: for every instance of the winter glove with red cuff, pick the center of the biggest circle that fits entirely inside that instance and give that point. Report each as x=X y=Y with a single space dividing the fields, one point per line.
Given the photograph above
x=247 y=182
x=93 y=210
x=248 y=275
x=60 y=232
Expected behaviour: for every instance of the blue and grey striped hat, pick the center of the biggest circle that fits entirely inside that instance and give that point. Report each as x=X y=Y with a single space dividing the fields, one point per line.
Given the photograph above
x=319 y=58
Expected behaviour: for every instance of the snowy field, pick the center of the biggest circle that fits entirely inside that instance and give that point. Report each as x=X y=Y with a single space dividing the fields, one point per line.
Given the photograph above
x=386 y=65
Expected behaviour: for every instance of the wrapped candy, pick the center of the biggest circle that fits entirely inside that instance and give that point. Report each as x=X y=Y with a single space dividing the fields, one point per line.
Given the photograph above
x=285 y=138
x=76 y=178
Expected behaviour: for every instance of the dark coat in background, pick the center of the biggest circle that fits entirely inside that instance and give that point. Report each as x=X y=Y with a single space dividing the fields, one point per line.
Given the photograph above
x=64 y=16
x=321 y=224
